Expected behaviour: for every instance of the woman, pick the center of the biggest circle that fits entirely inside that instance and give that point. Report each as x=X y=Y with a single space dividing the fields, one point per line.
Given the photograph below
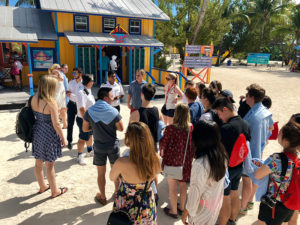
x=140 y=167
x=48 y=137
x=208 y=173
x=172 y=148
x=171 y=97
x=289 y=139
x=60 y=96
x=216 y=86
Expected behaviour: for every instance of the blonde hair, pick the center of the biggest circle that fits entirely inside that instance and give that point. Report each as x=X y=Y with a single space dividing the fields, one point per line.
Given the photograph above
x=182 y=116
x=142 y=72
x=53 y=67
x=47 y=88
x=173 y=77
x=142 y=151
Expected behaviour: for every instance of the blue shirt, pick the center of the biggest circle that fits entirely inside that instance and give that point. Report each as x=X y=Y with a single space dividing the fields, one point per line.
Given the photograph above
x=196 y=110
x=105 y=63
x=260 y=120
x=65 y=85
x=135 y=90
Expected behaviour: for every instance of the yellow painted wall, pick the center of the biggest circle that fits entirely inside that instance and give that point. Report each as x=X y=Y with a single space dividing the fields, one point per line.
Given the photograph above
x=95 y=23
x=36 y=74
x=147 y=58
x=164 y=74
x=67 y=55
x=147 y=27
x=65 y=22
x=124 y=22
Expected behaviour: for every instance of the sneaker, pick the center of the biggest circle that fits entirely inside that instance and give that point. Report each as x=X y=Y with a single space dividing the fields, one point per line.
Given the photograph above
x=81 y=160
x=70 y=146
x=90 y=154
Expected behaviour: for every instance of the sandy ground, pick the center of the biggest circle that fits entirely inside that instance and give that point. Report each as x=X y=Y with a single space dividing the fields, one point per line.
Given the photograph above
x=19 y=203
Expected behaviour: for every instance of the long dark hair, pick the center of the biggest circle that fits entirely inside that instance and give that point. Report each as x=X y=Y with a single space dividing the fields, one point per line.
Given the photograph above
x=207 y=141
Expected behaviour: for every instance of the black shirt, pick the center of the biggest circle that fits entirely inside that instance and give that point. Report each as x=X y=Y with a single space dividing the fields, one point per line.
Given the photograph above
x=243 y=109
x=230 y=132
x=150 y=116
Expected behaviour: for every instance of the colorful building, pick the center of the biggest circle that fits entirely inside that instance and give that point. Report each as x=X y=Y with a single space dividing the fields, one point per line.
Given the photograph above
x=77 y=32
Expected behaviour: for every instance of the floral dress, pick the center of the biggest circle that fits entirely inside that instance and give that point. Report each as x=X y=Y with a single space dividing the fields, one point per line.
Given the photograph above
x=173 y=146
x=128 y=199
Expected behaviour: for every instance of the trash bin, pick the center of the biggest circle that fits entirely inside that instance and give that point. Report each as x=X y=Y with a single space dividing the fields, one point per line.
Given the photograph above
x=229 y=62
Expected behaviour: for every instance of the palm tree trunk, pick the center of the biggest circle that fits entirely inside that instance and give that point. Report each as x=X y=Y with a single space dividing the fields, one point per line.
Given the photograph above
x=261 y=36
x=200 y=20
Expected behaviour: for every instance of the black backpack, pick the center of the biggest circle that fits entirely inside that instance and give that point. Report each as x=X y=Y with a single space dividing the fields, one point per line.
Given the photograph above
x=24 y=124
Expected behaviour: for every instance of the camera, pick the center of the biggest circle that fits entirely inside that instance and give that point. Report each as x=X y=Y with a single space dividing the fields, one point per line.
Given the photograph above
x=269 y=200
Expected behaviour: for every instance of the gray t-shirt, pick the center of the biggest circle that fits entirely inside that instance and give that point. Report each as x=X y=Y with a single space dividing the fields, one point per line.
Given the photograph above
x=135 y=90
x=105 y=136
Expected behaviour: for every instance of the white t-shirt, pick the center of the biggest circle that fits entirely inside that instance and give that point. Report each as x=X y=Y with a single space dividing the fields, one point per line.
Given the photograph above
x=84 y=100
x=117 y=90
x=113 y=65
x=74 y=87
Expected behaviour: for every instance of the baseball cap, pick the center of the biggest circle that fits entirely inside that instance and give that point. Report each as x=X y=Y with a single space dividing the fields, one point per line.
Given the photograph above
x=227 y=93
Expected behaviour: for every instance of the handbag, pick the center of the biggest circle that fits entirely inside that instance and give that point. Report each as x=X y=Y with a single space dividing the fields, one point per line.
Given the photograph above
x=175 y=172
x=122 y=218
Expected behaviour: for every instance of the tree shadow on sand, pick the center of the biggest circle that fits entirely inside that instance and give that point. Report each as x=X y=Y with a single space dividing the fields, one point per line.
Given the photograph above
x=14 y=206
x=27 y=176
x=69 y=216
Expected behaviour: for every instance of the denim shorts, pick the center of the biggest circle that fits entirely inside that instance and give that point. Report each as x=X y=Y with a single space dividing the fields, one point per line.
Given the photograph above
x=83 y=135
x=101 y=155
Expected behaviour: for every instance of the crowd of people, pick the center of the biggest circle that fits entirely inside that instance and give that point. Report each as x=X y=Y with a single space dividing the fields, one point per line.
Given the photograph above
x=196 y=141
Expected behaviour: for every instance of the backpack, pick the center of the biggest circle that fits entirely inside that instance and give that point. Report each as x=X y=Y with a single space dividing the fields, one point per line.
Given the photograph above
x=291 y=198
x=24 y=124
x=275 y=132
x=239 y=152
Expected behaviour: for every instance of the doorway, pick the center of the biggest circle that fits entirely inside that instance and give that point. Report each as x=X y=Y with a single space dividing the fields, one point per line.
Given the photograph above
x=117 y=51
x=87 y=57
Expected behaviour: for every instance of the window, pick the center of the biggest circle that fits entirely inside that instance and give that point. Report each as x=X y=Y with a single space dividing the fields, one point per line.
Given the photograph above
x=108 y=24
x=134 y=26
x=81 y=23
x=15 y=50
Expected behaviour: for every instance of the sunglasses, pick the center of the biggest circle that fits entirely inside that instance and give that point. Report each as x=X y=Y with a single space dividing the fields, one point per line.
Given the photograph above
x=74 y=74
x=168 y=79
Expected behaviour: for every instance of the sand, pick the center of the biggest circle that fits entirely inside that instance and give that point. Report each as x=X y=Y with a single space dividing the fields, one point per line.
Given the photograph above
x=19 y=203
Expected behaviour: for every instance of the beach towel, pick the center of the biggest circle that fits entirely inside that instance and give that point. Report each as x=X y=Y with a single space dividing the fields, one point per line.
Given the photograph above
x=102 y=111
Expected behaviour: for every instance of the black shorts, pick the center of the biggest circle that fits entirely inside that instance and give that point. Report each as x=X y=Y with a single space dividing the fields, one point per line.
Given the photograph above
x=101 y=155
x=83 y=135
x=167 y=112
x=235 y=175
x=282 y=214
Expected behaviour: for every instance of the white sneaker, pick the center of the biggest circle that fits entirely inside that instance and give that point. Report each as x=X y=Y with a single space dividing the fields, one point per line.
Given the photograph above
x=90 y=154
x=81 y=160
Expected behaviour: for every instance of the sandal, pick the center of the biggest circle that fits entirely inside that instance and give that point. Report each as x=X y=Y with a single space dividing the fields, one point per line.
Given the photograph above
x=180 y=212
x=244 y=212
x=62 y=191
x=102 y=201
x=167 y=212
x=250 y=205
x=40 y=192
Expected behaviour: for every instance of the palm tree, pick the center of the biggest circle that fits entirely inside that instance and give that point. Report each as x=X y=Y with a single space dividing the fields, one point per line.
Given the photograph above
x=200 y=20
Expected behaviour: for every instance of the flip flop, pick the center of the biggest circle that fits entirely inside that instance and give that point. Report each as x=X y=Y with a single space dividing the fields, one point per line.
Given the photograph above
x=250 y=205
x=102 y=201
x=62 y=191
x=40 y=192
x=167 y=212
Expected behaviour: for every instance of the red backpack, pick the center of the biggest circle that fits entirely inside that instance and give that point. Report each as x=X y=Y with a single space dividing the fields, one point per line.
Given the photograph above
x=239 y=152
x=275 y=132
x=291 y=198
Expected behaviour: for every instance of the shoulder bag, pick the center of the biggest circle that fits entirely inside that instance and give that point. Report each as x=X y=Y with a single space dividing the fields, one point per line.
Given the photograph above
x=175 y=172
x=122 y=217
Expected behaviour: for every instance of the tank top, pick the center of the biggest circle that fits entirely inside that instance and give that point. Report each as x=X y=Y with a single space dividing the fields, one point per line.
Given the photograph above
x=150 y=116
x=170 y=96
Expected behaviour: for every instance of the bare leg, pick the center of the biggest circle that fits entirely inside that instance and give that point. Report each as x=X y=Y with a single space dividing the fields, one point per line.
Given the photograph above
x=117 y=182
x=246 y=191
x=90 y=141
x=173 y=195
x=165 y=118
x=235 y=205
x=39 y=174
x=254 y=188
x=80 y=145
x=51 y=179
x=225 y=211
x=261 y=223
x=18 y=81
x=170 y=120
x=63 y=116
x=294 y=218
x=183 y=193
x=101 y=180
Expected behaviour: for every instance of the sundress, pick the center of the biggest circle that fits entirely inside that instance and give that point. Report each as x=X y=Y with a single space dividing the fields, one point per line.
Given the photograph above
x=128 y=199
x=46 y=143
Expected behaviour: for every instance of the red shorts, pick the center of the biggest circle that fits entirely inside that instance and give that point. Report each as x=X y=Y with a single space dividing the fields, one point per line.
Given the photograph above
x=132 y=110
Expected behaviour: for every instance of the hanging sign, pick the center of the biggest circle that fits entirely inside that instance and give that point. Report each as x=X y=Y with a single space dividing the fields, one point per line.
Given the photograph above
x=120 y=34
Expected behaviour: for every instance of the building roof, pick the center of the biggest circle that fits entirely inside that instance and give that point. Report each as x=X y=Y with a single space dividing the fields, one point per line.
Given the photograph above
x=144 y=9
x=82 y=38
x=25 y=25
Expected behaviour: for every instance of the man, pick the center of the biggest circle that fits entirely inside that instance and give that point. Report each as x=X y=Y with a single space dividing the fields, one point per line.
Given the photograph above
x=135 y=90
x=231 y=129
x=105 y=65
x=85 y=100
x=74 y=86
x=148 y=113
x=104 y=120
x=260 y=121
x=64 y=70
x=117 y=89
